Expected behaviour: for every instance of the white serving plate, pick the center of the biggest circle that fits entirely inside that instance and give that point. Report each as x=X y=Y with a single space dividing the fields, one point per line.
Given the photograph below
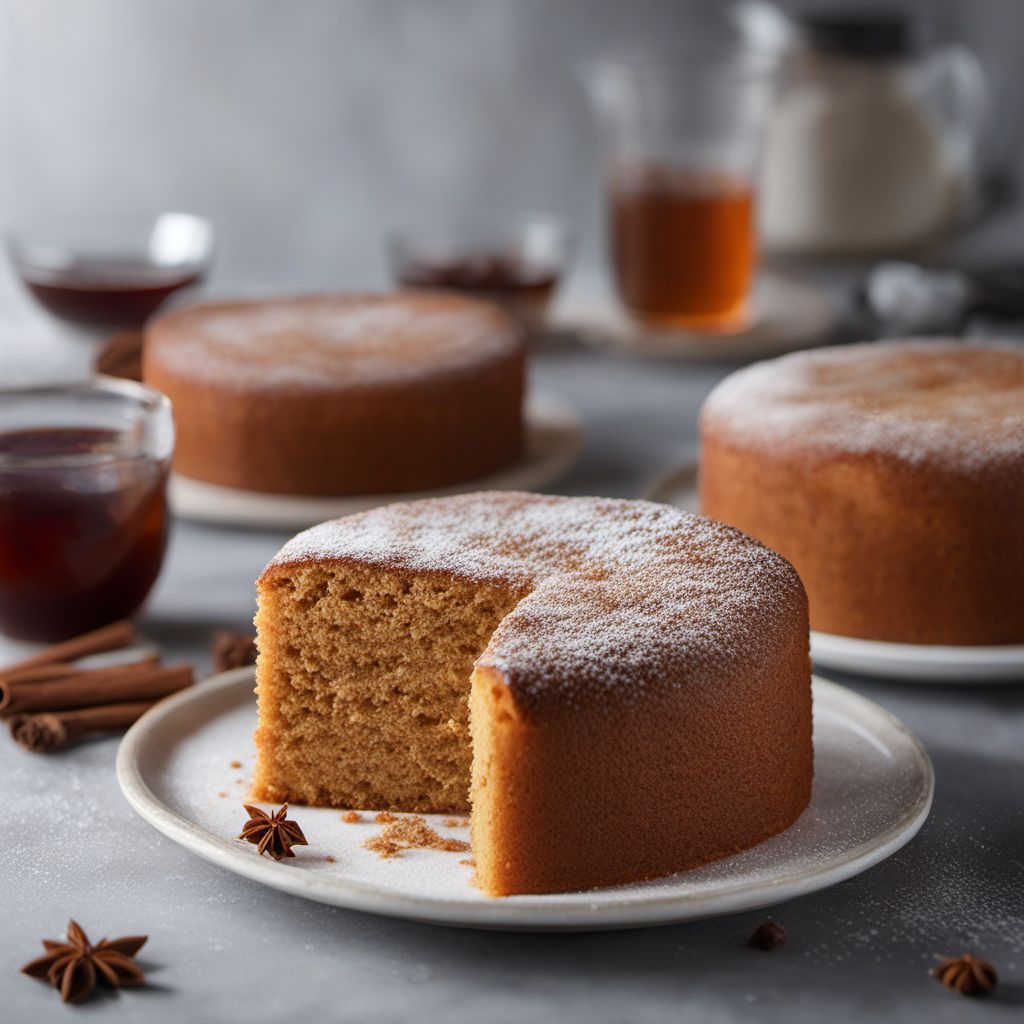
x=920 y=663
x=554 y=439
x=788 y=315
x=872 y=792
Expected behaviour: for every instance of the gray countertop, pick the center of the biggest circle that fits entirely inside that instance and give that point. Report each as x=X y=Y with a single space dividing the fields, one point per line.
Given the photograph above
x=222 y=948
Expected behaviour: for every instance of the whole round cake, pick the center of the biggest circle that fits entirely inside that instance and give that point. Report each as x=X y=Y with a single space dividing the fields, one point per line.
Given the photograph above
x=340 y=394
x=891 y=474
x=618 y=690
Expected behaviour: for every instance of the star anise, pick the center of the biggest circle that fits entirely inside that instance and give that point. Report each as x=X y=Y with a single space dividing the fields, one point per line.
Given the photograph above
x=967 y=975
x=74 y=967
x=273 y=834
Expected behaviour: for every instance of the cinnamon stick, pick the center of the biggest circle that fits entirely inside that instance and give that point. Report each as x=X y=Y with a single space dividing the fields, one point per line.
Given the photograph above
x=85 y=689
x=37 y=673
x=108 y=638
x=52 y=730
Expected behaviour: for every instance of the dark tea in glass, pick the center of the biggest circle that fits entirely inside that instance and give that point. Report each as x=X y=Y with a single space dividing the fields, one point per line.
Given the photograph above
x=83 y=507
x=108 y=273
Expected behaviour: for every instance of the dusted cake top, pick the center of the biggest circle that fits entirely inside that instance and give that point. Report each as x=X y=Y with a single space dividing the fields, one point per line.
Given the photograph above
x=919 y=401
x=316 y=342
x=615 y=595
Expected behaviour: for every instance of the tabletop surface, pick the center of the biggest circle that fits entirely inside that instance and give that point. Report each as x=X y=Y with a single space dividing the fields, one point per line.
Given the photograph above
x=222 y=948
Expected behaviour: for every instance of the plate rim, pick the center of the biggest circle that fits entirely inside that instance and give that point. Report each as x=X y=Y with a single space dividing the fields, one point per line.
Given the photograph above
x=604 y=326
x=934 y=663
x=542 y=409
x=508 y=914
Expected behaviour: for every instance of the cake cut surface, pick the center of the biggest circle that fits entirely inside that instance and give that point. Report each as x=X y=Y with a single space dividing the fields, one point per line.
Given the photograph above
x=618 y=690
x=890 y=474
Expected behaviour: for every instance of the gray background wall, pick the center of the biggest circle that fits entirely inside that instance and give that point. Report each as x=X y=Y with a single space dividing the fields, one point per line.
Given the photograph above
x=306 y=128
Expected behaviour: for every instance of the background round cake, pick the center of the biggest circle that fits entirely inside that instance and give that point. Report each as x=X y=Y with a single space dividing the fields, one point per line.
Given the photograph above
x=891 y=475
x=342 y=394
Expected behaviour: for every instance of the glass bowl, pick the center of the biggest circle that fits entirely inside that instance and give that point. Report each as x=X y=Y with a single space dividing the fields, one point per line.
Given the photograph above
x=516 y=264
x=110 y=272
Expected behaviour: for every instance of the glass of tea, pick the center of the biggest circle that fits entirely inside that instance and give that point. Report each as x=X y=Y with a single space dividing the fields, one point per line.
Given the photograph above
x=683 y=136
x=83 y=507
x=516 y=264
x=110 y=273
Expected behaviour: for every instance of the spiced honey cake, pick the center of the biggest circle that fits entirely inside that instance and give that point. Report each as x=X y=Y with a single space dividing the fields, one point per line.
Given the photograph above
x=891 y=475
x=340 y=394
x=616 y=690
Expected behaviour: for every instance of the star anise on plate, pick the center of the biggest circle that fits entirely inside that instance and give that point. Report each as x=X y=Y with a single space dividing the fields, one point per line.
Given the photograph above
x=273 y=834
x=967 y=975
x=75 y=966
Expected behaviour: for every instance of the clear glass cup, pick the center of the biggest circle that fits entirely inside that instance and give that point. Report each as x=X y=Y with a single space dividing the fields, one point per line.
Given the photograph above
x=516 y=263
x=683 y=135
x=83 y=506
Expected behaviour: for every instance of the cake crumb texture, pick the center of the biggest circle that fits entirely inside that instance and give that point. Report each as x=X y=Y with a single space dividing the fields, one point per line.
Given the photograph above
x=411 y=833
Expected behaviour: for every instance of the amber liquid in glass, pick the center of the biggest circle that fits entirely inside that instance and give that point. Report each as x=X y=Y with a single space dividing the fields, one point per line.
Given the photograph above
x=684 y=247
x=80 y=544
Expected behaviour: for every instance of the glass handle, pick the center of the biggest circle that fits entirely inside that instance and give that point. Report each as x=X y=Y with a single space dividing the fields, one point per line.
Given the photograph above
x=956 y=84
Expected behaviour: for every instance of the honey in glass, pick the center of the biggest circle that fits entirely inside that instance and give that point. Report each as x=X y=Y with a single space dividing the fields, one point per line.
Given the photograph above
x=684 y=247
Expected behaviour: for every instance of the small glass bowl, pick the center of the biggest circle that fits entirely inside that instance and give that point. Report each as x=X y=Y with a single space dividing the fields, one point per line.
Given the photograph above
x=83 y=506
x=110 y=272
x=516 y=264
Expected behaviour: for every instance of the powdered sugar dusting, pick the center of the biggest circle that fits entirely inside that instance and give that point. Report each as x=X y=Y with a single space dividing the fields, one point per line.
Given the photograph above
x=612 y=591
x=320 y=342
x=945 y=403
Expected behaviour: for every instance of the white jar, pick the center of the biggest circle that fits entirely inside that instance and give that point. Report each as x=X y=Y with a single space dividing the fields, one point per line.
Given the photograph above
x=869 y=152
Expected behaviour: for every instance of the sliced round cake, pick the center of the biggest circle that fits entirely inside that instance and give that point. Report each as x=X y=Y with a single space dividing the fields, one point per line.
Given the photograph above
x=619 y=690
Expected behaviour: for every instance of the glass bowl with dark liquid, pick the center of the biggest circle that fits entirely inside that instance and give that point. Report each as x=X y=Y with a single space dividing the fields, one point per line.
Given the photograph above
x=83 y=505
x=111 y=273
x=516 y=264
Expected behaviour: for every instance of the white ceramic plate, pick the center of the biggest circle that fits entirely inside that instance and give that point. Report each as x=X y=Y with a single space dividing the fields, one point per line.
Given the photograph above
x=872 y=792
x=922 y=663
x=788 y=315
x=554 y=438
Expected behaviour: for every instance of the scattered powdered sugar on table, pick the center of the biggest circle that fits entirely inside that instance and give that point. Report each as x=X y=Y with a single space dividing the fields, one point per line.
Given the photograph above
x=321 y=341
x=919 y=401
x=612 y=591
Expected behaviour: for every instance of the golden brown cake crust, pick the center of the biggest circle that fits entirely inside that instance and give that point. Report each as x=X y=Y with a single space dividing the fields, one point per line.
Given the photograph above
x=340 y=394
x=643 y=704
x=890 y=474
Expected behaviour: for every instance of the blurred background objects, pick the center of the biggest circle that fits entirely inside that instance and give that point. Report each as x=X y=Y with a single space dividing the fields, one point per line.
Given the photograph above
x=306 y=131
